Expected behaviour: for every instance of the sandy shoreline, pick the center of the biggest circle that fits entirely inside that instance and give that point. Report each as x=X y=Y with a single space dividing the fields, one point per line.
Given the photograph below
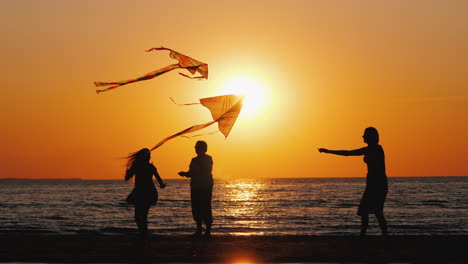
x=16 y=247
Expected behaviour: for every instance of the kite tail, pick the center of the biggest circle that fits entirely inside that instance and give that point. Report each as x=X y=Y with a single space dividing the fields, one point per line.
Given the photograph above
x=116 y=84
x=107 y=89
x=145 y=77
x=182 y=104
x=199 y=135
x=185 y=131
x=160 y=48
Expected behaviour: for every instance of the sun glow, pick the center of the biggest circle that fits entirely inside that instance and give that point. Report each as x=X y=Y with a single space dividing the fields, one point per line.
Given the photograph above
x=254 y=92
x=243 y=262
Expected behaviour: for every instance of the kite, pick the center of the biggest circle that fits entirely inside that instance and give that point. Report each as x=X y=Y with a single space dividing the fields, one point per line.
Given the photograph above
x=224 y=110
x=185 y=62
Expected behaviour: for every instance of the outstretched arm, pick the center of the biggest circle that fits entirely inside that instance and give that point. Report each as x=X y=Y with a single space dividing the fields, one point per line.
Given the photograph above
x=354 y=152
x=187 y=173
x=184 y=174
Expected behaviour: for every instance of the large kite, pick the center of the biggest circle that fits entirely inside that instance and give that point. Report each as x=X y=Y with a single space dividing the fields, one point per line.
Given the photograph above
x=185 y=62
x=224 y=110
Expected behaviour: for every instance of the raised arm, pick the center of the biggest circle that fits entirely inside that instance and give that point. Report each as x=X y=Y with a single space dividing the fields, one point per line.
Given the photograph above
x=354 y=152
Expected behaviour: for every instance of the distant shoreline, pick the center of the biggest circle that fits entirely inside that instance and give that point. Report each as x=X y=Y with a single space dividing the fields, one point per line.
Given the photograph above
x=43 y=179
x=118 y=179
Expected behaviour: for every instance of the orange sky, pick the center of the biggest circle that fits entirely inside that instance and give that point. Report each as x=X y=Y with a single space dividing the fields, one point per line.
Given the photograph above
x=330 y=68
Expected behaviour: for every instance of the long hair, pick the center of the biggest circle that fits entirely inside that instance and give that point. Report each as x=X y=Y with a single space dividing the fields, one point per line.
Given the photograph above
x=138 y=158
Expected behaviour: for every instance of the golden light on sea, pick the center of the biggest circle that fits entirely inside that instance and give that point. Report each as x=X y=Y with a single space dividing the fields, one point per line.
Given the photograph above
x=244 y=191
x=249 y=194
x=243 y=262
x=244 y=259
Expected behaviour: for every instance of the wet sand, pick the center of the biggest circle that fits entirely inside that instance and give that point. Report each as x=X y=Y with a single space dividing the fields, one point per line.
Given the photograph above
x=98 y=248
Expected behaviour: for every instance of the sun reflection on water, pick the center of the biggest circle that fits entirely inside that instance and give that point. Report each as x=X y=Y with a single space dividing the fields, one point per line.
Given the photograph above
x=247 y=233
x=244 y=191
x=245 y=201
x=243 y=262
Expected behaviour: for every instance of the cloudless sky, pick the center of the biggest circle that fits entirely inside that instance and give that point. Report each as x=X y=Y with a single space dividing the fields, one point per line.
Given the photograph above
x=328 y=69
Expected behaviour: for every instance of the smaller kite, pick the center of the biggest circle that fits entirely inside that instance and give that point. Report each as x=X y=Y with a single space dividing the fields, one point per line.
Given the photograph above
x=185 y=62
x=224 y=110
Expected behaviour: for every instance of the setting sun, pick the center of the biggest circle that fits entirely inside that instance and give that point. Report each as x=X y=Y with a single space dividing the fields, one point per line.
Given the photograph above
x=254 y=91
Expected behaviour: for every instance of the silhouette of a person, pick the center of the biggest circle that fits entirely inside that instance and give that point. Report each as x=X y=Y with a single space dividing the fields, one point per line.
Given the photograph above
x=373 y=199
x=144 y=194
x=201 y=188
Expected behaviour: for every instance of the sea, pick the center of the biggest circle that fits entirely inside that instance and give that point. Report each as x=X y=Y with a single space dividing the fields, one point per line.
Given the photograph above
x=299 y=206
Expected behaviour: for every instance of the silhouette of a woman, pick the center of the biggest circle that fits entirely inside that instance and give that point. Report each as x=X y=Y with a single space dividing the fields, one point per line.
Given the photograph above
x=201 y=188
x=144 y=194
x=373 y=199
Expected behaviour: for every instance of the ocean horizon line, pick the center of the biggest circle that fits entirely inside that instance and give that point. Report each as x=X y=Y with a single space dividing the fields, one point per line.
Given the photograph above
x=220 y=178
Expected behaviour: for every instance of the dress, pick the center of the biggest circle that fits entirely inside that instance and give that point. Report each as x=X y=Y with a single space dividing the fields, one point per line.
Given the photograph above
x=144 y=192
x=201 y=188
x=374 y=196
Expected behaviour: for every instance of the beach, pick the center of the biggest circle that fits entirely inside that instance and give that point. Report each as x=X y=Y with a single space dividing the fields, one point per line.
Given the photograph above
x=99 y=248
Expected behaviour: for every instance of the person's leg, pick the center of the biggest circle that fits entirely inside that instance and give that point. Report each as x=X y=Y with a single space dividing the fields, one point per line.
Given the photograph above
x=139 y=217
x=208 y=219
x=208 y=215
x=382 y=222
x=198 y=232
x=145 y=212
x=195 y=200
x=208 y=229
x=364 y=224
x=197 y=218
